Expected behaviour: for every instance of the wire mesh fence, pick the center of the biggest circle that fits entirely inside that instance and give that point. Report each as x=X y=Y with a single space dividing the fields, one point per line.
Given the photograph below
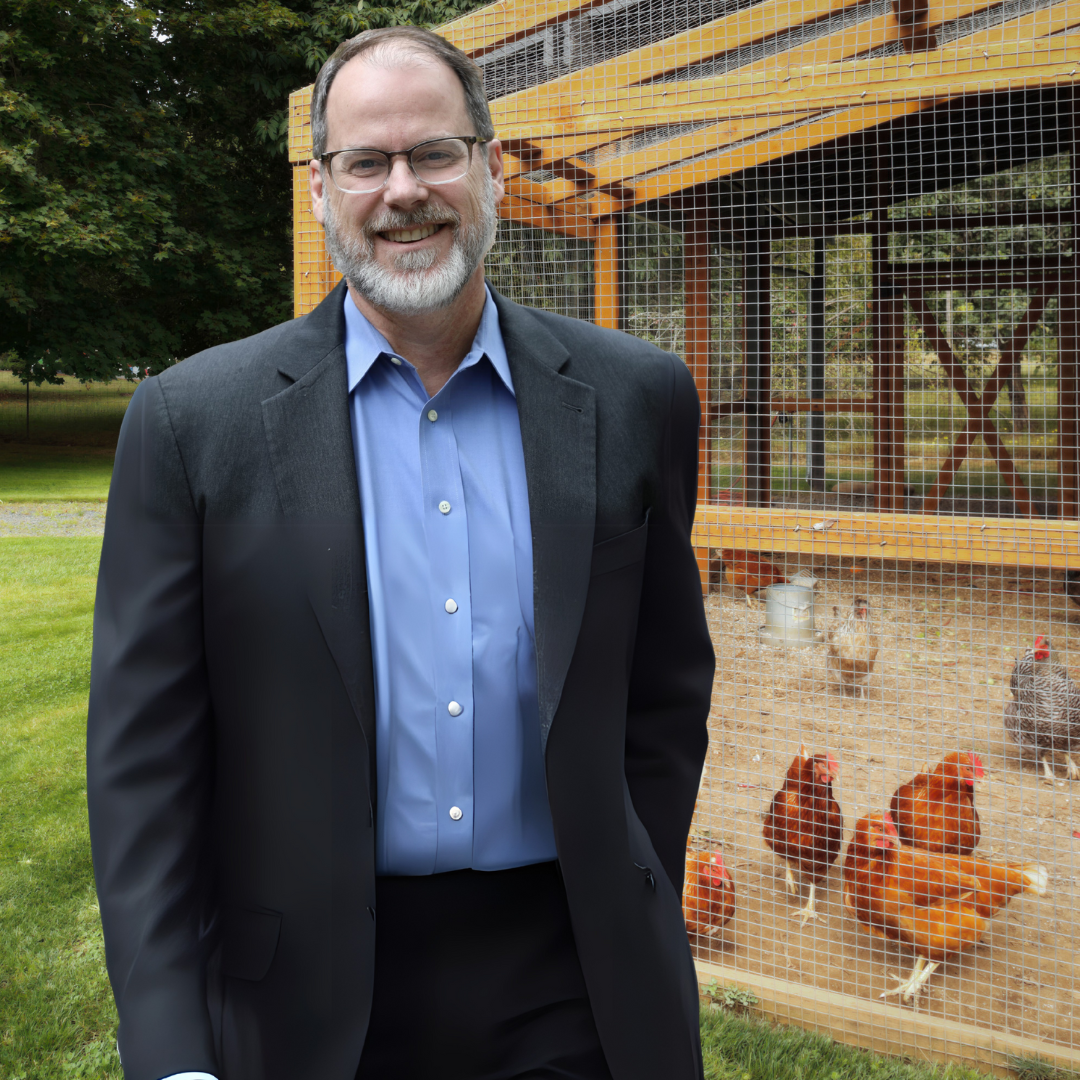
x=856 y=224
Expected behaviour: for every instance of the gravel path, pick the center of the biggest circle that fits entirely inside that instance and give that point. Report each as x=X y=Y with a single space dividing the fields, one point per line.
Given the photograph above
x=52 y=519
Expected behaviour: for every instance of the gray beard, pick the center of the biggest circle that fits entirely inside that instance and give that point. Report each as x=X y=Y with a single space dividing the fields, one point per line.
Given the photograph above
x=415 y=285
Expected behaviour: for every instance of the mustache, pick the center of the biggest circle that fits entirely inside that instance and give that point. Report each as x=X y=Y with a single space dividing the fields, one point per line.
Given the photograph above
x=390 y=220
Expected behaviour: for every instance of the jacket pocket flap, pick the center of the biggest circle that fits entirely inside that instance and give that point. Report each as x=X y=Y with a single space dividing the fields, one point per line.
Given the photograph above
x=249 y=942
x=620 y=551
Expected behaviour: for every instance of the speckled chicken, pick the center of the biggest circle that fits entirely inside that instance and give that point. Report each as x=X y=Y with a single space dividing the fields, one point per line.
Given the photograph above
x=708 y=893
x=1044 y=714
x=936 y=810
x=805 y=825
x=853 y=648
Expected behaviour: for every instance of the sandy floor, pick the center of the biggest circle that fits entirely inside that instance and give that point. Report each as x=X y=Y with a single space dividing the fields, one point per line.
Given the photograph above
x=950 y=636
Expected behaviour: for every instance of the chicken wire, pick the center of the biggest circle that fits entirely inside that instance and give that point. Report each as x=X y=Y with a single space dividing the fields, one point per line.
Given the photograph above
x=855 y=224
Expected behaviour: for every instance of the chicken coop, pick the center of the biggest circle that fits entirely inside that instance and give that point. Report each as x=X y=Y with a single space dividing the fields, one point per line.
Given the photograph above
x=856 y=223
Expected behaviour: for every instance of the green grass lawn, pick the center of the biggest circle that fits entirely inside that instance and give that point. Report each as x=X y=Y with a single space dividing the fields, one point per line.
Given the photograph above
x=56 y=1014
x=68 y=451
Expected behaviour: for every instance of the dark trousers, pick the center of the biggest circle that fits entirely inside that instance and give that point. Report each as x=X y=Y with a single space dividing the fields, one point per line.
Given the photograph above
x=477 y=978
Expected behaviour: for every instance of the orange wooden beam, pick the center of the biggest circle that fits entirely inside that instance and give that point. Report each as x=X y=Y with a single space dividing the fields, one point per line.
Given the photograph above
x=607 y=298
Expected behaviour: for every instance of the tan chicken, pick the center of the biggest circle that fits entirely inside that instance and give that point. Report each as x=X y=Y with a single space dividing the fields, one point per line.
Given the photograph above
x=708 y=893
x=853 y=648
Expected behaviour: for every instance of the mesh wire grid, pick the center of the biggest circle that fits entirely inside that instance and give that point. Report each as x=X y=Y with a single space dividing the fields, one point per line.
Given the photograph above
x=856 y=225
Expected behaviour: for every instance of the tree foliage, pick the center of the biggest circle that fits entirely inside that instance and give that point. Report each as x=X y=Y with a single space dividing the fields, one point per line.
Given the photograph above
x=145 y=194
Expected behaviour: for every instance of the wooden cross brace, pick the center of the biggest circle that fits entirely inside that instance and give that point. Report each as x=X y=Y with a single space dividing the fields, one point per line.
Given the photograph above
x=978 y=405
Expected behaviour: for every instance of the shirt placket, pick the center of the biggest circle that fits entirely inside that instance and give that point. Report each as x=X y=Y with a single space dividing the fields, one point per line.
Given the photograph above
x=446 y=528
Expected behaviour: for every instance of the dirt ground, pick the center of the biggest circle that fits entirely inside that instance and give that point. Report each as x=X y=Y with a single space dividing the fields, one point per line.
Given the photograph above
x=950 y=635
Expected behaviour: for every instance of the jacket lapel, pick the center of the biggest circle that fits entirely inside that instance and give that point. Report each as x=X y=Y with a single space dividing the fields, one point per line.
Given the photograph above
x=309 y=438
x=558 y=435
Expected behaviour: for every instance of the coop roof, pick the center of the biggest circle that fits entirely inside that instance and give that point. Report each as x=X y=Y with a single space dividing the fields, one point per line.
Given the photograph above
x=604 y=107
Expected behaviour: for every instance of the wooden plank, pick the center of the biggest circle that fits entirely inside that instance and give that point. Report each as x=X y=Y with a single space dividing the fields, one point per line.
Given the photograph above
x=833 y=86
x=553 y=219
x=779 y=145
x=537 y=104
x=942 y=69
x=300 y=124
x=607 y=299
x=886 y=1029
x=498 y=24
x=1035 y=24
x=825 y=405
x=885 y=535
x=617 y=169
x=550 y=191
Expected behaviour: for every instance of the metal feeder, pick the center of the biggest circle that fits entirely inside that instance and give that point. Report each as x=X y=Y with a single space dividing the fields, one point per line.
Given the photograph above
x=789 y=617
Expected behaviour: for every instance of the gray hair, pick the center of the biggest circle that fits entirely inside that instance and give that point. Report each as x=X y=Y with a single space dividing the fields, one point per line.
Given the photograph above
x=403 y=40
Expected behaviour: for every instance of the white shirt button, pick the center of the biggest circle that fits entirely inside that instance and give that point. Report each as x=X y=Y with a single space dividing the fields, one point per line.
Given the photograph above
x=444 y=507
x=455 y=813
x=451 y=606
x=454 y=709
x=396 y=361
x=432 y=415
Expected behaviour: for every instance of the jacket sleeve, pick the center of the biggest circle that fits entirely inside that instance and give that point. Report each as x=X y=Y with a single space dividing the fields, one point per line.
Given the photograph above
x=671 y=679
x=149 y=753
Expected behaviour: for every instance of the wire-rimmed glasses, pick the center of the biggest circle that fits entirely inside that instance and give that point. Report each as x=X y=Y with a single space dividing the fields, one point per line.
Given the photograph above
x=433 y=161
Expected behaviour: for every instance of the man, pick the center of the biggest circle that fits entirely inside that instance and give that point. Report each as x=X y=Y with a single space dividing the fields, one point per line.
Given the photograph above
x=401 y=670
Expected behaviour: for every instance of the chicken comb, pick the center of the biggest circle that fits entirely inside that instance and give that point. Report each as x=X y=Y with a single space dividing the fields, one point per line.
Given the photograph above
x=976 y=765
x=890 y=825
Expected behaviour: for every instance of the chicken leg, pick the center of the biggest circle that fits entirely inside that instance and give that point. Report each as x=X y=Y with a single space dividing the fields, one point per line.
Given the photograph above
x=910 y=988
x=807 y=911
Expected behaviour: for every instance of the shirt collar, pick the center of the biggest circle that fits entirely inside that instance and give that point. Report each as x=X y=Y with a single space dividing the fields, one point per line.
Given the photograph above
x=364 y=344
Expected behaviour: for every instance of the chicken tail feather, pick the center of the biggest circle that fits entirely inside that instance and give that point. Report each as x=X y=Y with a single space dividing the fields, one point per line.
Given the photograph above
x=1037 y=878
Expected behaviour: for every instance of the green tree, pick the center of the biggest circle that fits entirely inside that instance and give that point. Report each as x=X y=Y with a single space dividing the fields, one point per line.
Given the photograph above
x=145 y=194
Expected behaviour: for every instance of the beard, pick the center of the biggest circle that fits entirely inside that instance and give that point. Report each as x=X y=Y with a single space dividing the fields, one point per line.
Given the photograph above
x=417 y=282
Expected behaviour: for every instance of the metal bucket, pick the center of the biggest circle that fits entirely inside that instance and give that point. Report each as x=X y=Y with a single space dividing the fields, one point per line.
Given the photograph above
x=789 y=617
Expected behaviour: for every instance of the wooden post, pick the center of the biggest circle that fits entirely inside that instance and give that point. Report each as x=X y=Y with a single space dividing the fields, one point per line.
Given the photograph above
x=815 y=371
x=757 y=358
x=697 y=348
x=607 y=293
x=887 y=321
x=1068 y=405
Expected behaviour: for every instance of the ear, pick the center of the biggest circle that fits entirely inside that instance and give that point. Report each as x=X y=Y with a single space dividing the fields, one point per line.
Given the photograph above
x=495 y=165
x=315 y=186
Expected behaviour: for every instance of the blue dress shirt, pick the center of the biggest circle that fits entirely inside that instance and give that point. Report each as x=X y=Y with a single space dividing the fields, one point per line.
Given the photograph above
x=449 y=563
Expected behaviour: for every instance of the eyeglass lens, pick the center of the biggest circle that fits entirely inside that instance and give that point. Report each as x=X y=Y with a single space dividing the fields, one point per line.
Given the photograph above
x=438 y=162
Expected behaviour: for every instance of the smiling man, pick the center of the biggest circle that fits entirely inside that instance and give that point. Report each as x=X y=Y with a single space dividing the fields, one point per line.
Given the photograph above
x=401 y=671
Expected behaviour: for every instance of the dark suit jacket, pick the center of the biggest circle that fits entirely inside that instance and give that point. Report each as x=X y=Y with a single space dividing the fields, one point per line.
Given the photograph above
x=230 y=749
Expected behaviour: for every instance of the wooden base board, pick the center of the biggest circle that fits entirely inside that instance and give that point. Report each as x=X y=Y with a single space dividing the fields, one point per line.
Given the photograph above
x=886 y=1029
x=871 y=535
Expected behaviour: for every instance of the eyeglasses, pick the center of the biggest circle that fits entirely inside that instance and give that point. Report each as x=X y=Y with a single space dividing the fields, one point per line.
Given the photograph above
x=434 y=161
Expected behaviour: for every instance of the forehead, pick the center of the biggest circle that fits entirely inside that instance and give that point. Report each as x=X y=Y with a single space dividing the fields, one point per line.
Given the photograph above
x=392 y=100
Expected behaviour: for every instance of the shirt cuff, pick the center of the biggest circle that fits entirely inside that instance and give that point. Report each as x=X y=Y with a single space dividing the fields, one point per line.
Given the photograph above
x=189 y=1076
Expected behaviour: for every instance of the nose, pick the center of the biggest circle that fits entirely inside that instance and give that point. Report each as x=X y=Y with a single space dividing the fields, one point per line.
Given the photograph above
x=402 y=188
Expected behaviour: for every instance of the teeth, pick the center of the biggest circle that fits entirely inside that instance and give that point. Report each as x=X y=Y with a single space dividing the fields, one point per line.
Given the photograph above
x=408 y=236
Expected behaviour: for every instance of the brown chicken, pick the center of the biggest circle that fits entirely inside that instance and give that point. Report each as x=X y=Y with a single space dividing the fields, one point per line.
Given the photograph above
x=749 y=572
x=936 y=810
x=708 y=893
x=853 y=648
x=937 y=905
x=804 y=825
